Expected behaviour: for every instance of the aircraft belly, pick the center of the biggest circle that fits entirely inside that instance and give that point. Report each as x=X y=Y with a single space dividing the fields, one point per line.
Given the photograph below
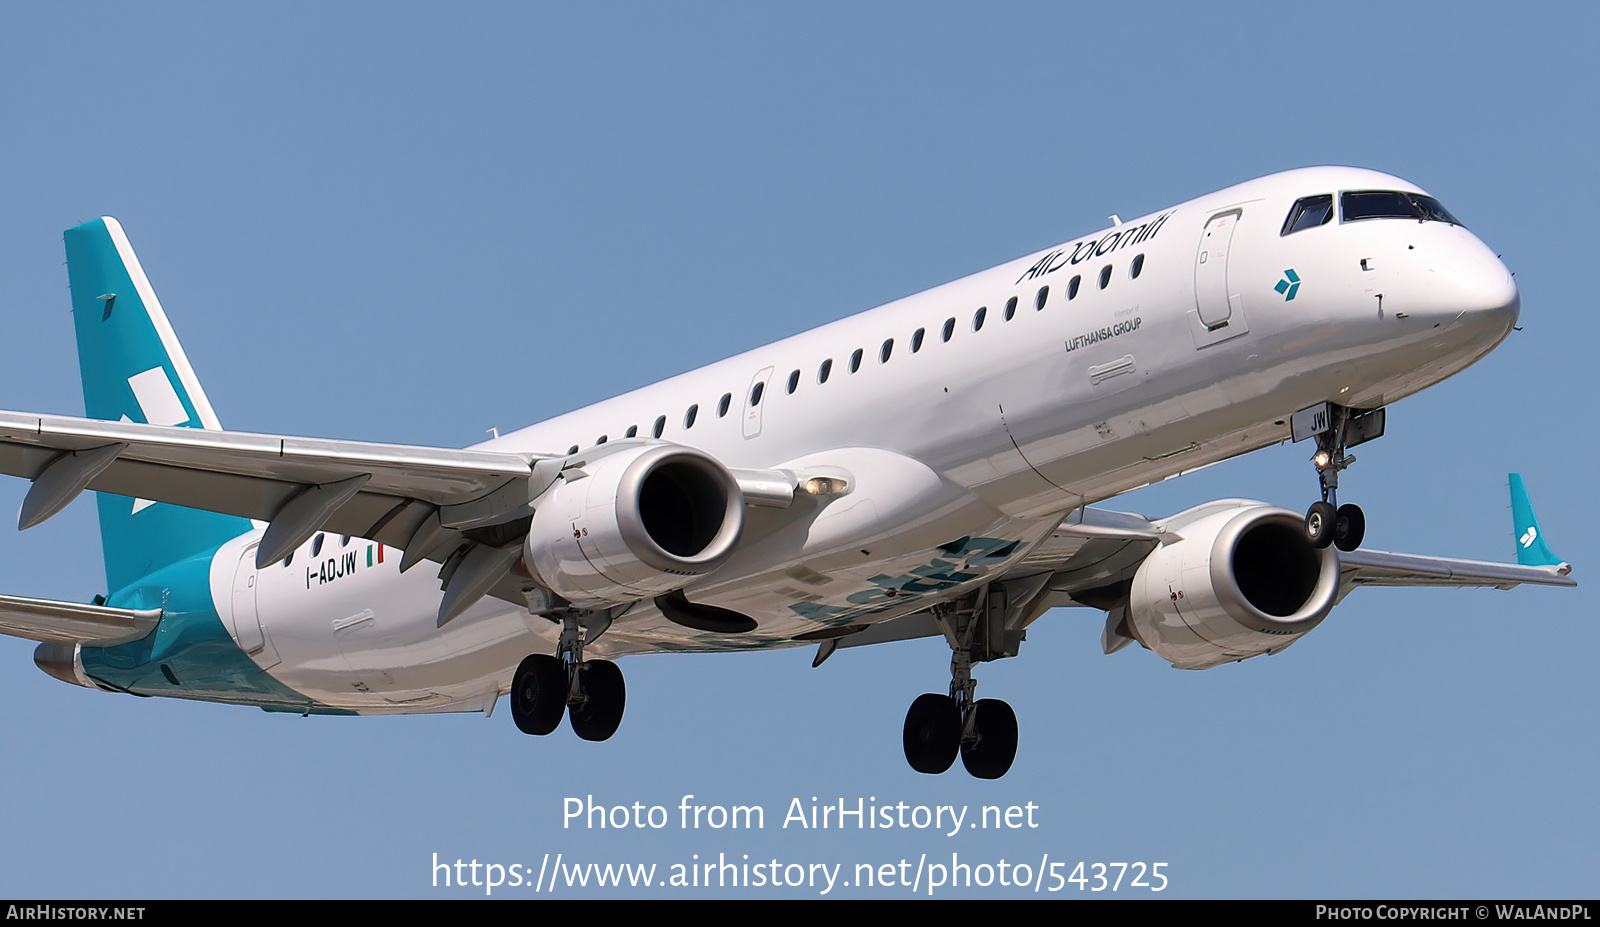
x=798 y=605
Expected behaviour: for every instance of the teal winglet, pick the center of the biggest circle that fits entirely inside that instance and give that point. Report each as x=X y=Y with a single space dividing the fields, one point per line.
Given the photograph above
x=1531 y=548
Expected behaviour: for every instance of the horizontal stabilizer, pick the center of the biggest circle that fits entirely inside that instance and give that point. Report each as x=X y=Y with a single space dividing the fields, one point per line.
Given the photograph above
x=72 y=622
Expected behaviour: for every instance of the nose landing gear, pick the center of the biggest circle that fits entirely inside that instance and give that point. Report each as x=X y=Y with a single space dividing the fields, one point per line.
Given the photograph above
x=1336 y=429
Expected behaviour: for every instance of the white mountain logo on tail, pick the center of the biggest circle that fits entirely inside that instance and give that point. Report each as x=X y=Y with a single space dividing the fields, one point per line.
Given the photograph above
x=158 y=403
x=1529 y=536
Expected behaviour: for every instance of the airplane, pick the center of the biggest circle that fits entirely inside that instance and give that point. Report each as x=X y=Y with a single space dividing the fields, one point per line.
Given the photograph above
x=929 y=468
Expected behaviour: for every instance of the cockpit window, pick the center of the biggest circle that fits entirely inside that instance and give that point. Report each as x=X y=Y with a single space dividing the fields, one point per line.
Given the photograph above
x=1386 y=204
x=1308 y=212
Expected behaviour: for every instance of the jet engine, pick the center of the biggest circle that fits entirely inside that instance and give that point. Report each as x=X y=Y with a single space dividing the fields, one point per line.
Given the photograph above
x=637 y=522
x=1241 y=582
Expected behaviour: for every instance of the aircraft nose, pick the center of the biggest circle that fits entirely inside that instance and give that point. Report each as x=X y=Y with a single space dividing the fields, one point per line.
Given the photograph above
x=1470 y=288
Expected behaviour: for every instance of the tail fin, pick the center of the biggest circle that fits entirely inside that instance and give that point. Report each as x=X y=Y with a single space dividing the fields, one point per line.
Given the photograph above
x=1531 y=548
x=133 y=369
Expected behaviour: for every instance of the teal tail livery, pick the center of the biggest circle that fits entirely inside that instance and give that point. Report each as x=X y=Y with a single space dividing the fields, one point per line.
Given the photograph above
x=134 y=370
x=1531 y=548
x=931 y=468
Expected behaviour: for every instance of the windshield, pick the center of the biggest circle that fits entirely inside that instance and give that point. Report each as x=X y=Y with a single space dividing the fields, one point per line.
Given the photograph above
x=1388 y=204
x=1308 y=212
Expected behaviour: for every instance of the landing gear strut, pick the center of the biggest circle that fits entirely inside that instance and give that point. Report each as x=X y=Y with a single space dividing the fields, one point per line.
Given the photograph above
x=1328 y=522
x=982 y=731
x=544 y=686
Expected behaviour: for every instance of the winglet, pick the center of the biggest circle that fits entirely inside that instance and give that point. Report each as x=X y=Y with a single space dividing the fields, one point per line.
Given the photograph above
x=1531 y=548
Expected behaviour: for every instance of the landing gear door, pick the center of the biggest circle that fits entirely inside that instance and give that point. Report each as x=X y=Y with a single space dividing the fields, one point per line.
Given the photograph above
x=1217 y=315
x=244 y=618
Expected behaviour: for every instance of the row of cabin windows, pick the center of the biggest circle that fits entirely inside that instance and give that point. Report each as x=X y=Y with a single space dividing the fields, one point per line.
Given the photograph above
x=825 y=370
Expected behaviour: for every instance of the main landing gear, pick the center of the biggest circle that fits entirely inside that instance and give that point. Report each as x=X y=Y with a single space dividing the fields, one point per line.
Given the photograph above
x=983 y=731
x=1339 y=428
x=591 y=693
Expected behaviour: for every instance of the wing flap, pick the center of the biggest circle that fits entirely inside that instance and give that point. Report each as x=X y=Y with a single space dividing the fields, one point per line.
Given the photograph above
x=71 y=622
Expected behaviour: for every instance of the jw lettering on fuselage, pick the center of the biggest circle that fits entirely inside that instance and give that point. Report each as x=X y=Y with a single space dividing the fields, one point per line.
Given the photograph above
x=1120 y=237
x=332 y=568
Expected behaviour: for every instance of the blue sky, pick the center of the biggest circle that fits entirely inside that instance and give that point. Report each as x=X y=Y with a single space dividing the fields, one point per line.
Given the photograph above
x=412 y=223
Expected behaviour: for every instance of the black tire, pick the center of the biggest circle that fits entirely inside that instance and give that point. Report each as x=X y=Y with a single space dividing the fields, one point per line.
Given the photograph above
x=538 y=694
x=991 y=756
x=1349 y=527
x=1320 y=521
x=932 y=734
x=605 y=696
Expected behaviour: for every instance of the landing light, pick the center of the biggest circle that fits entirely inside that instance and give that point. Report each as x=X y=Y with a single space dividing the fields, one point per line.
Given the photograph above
x=823 y=486
x=1322 y=459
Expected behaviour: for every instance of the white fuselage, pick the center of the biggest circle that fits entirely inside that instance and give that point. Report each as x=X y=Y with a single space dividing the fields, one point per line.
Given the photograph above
x=988 y=437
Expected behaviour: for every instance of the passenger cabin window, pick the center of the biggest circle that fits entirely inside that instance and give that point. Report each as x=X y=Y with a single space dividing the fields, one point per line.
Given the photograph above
x=755 y=394
x=1105 y=276
x=633 y=432
x=949 y=328
x=600 y=440
x=723 y=403
x=574 y=449
x=1384 y=204
x=855 y=360
x=977 y=317
x=916 y=339
x=1072 y=286
x=655 y=430
x=688 y=417
x=794 y=381
x=1308 y=212
x=885 y=351
x=1042 y=298
x=1011 y=308
x=1136 y=268
x=824 y=370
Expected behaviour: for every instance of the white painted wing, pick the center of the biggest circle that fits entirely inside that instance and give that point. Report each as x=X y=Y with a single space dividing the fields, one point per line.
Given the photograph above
x=1091 y=556
x=1382 y=568
x=254 y=475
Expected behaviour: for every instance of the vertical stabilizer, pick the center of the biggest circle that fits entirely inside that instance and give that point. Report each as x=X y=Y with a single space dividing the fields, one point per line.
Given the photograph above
x=133 y=369
x=1531 y=548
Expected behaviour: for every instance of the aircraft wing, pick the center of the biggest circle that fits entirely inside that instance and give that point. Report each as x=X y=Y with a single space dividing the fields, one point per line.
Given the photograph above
x=1094 y=549
x=382 y=492
x=70 y=622
x=1382 y=568
x=1091 y=557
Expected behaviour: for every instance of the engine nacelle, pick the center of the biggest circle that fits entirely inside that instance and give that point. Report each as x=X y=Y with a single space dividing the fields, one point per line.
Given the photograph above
x=1242 y=582
x=638 y=523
